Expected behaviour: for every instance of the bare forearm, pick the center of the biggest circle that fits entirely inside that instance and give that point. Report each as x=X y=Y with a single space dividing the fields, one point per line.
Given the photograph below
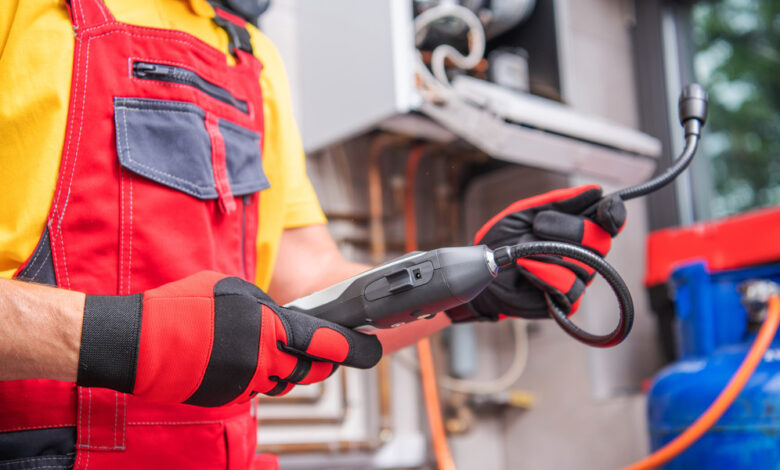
x=41 y=331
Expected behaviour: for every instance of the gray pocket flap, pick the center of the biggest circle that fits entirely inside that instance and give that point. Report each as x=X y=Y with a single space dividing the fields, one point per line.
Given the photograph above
x=167 y=142
x=242 y=156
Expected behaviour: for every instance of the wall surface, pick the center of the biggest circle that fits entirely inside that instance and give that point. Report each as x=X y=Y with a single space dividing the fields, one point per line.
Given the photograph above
x=587 y=411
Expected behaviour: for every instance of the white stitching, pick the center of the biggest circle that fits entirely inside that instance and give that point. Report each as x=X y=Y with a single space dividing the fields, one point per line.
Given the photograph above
x=81 y=114
x=116 y=412
x=177 y=423
x=36 y=467
x=102 y=7
x=36 y=254
x=121 y=226
x=89 y=426
x=62 y=463
x=100 y=447
x=151 y=33
x=43 y=263
x=249 y=187
x=129 y=156
x=127 y=147
x=221 y=180
x=186 y=39
x=51 y=457
x=89 y=416
x=239 y=129
x=64 y=260
x=130 y=247
x=81 y=12
x=67 y=150
x=144 y=169
x=164 y=105
x=124 y=419
x=78 y=431
x=47 y=426
x=33 y=463
x=79 y=418
x=71 y=155
x=78 y=137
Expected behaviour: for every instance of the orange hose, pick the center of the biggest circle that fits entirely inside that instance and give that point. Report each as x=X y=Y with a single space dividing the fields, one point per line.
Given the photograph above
x=441 y=448
x=726 y=397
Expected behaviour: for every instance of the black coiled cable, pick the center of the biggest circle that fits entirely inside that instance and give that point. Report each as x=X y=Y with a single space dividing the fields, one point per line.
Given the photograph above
x=507 y=255
x=693 y=115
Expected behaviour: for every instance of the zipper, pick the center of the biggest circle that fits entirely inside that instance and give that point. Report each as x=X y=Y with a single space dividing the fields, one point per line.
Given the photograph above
x=246 y=201
x=174 y=74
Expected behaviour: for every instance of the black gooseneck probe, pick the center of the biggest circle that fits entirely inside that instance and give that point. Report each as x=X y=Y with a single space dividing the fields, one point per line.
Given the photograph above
x=420 y=284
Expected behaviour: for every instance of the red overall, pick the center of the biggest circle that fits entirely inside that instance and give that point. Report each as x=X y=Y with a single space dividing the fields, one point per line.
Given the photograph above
x=159 y=178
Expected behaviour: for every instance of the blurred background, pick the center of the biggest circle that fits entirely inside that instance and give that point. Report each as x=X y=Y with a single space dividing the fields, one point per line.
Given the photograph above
x=481 y=103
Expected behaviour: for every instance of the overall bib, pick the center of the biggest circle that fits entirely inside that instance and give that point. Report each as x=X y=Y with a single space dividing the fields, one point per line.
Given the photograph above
x=159 y=178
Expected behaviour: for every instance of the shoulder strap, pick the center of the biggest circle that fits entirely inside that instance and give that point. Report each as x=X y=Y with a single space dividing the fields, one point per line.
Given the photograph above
x=235 y=27
x=250 y=10
x=88 y=13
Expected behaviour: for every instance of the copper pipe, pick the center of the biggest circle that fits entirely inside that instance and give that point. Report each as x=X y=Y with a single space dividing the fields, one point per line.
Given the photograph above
x=378 y=253
x=301 y=421
x=377 y=232
x=393 y=246
x=441 y=448
x=358 y=219
x=288 y=400
x=375 y=199
x=378 y=250
x=309 y=400
x=385 y=400
x=318 y=447
x=369 y=444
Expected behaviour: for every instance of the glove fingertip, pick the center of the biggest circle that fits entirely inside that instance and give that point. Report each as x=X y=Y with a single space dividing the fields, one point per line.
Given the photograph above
x=365 y=353
x=611 y=214
x=344 y=346
x=574 y=307
x=581 y=199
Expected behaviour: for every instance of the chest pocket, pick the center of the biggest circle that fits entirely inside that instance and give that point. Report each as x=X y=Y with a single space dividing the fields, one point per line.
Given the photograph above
x=188 y=190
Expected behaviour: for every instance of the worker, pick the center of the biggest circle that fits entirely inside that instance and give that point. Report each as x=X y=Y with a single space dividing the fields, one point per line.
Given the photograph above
x=154 y=191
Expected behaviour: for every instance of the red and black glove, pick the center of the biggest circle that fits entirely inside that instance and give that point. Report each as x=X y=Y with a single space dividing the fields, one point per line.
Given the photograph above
x=557 y=216
x=210 y=340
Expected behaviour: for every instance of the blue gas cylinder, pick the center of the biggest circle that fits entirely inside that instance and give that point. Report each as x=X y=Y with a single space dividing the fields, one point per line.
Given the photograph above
x=714 y=340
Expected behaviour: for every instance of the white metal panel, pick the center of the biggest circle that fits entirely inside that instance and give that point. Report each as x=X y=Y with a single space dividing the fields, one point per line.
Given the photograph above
x=352 y=66
x=506 y=141
x=540 y=113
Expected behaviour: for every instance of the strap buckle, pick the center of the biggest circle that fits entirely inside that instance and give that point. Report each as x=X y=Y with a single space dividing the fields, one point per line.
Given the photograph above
x=238 y=36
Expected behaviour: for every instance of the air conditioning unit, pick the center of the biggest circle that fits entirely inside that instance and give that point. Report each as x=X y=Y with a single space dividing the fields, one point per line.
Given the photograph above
x=352 y=69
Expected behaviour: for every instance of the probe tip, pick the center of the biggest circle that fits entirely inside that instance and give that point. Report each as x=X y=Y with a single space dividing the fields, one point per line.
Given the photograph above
x=693 y=104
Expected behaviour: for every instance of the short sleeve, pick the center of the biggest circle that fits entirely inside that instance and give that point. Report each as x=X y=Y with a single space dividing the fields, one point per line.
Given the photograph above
x=282 y=145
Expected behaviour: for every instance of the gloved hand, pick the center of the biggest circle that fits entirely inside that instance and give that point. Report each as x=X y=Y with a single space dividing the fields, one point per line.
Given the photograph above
x=557 y=216
x=210 y=340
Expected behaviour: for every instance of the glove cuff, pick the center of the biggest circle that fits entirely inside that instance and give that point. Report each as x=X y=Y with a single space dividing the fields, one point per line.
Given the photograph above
x=110 y=333
x=466 y=313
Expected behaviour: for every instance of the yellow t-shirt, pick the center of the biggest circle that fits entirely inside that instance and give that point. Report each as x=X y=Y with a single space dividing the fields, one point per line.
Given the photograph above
x=36 y=53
